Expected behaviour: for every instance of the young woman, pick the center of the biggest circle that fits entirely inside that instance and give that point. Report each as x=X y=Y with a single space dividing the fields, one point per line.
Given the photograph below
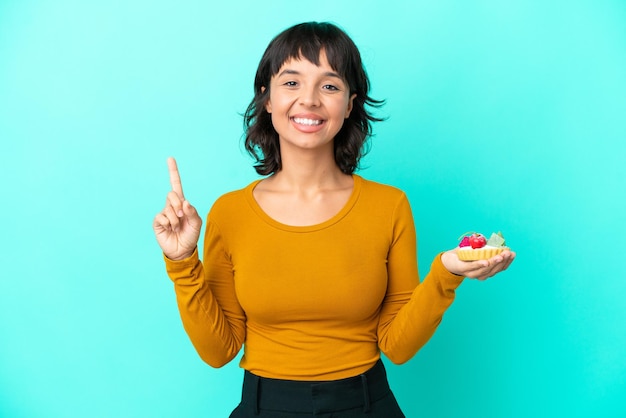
x=312 y=269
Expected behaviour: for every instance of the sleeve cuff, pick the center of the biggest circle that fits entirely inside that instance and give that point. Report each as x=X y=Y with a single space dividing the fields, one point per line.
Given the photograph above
x=448 y=280
x=179 y=266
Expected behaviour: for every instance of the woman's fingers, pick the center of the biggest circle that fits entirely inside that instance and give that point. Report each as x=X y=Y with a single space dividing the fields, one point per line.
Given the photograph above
x=174 y=201
x=172 y=218
x=509 y=260
x=160 y=223
x=177 y=226
x=177 y=186
x=180 y=211
x=164 y=223
x=494 y=266
x=188 y=225
x=479 y=269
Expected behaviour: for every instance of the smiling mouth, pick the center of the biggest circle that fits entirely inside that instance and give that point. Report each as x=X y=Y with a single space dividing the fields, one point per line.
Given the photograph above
x=308 y=122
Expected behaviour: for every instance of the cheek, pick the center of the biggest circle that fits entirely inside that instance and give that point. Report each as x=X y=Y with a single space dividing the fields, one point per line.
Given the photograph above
x=278 y=103
x=342 y=108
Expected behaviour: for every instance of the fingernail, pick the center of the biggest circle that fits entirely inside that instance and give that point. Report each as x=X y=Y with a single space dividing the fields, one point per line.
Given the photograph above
x=180 y=213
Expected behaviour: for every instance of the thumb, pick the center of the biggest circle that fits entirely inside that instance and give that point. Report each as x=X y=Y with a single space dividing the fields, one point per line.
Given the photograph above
x=192 y=215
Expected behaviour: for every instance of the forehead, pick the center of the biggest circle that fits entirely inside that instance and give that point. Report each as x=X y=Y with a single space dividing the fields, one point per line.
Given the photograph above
x=304 y=63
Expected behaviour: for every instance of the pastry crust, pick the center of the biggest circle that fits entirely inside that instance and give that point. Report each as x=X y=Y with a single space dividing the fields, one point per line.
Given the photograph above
x=471 y=254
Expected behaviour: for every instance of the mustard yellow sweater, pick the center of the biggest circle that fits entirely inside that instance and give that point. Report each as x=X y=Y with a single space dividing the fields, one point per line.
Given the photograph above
x=315 y=302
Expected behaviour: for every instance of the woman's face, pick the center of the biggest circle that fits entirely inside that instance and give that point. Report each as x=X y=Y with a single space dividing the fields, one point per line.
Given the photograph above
x=308 y=103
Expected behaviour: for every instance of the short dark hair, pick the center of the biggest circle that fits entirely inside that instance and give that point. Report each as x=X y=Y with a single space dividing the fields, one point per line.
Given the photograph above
x=307 y=40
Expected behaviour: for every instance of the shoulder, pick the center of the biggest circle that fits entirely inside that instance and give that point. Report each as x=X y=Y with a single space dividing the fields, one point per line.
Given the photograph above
x=386 y=205
x=383 y=193
x=232 y=202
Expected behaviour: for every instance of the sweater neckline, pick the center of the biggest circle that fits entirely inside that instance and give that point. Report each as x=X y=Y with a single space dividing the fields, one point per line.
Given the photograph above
x=356 y=190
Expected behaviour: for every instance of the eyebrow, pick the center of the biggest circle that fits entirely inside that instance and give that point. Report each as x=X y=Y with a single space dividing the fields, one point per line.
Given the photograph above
x=294 y=72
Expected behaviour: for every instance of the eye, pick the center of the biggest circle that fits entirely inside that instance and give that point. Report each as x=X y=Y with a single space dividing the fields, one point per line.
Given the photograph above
x=330 y=87
x=290 y=84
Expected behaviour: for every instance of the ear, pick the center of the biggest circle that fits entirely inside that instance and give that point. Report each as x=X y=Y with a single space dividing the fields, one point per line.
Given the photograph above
x=350 y=105
x=268 y=104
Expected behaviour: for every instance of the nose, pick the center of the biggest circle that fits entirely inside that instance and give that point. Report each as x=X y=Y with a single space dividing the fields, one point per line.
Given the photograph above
x=310 y=96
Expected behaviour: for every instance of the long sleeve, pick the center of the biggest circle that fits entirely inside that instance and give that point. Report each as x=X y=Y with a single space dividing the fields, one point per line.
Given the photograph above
x=207 y=302
x=411 y=310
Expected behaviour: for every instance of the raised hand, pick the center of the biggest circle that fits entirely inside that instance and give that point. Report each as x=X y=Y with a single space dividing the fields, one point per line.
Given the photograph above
x=177 y=227
x=480 y=269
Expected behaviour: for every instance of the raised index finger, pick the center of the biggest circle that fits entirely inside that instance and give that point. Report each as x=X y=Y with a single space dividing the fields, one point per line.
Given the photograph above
x=177 y=186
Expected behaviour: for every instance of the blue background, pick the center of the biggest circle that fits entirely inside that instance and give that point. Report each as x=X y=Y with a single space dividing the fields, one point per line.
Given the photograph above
x=501 y=116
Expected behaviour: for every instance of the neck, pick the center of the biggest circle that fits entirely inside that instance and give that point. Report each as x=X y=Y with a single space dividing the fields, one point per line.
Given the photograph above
x=309 y=171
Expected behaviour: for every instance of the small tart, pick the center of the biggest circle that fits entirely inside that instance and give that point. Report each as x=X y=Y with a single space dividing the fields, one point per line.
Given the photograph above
x=484 y=253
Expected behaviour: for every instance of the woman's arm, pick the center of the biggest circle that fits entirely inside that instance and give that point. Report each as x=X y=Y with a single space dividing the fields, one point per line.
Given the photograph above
x=206 y=298
x=411 y=310
x=208 y=306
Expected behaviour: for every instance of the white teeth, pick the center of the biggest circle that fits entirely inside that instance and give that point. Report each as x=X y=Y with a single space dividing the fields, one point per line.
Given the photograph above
x=309 y=122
